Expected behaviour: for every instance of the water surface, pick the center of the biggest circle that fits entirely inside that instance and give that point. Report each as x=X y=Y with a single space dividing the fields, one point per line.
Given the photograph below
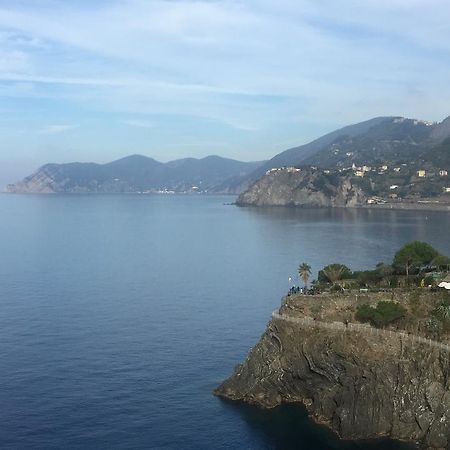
x=120 y=314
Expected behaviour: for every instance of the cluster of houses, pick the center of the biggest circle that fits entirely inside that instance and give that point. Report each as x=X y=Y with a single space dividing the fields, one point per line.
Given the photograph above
x=283 y=169
x=359 y=171
x=442 y=173
x=423 y=173
x=376 y=201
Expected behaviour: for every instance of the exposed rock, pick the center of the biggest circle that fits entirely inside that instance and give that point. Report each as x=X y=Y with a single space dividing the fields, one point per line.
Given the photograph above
x=303 y=188
x=361 y=385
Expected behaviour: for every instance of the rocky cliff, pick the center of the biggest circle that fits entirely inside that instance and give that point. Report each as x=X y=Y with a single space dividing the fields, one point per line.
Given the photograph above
x=307 y=187
x=361 y=384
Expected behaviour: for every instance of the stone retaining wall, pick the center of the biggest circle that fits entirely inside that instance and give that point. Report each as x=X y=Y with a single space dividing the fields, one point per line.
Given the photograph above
x=365 y=328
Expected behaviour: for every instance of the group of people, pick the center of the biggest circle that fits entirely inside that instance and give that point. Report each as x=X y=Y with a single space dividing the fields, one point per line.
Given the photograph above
x=298 y=290
x=295 y=290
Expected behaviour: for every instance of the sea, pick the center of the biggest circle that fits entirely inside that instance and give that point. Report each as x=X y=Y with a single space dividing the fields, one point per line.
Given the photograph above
x=119 y=314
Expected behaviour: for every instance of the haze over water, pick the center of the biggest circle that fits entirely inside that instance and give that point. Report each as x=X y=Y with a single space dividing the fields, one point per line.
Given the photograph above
x=120 y=314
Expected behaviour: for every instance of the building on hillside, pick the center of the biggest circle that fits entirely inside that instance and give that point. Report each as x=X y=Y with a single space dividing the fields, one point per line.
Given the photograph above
x=283 y=169
x=359 y=173
x=447 y=190
x=292 y=169
x=397 y=169
x=421 y=173
x=445 y=283
x=393 y=186
x=443 y=173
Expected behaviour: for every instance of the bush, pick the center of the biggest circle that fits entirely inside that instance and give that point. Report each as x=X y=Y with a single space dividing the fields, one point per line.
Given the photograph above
x=434 y=327
x=385 y=312
x=442 y=311
x=367 y=277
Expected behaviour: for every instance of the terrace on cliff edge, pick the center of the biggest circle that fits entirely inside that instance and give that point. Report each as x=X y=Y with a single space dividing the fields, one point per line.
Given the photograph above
x=366 y=352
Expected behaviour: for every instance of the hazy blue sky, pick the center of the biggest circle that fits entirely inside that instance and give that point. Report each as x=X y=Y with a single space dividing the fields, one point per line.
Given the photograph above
x=97 y=80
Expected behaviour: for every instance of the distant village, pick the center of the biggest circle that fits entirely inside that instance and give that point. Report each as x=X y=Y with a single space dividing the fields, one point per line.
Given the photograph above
x=386 y=183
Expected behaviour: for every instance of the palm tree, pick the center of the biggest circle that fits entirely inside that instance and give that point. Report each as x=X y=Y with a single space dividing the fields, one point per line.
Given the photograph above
x=304 y=271
x=335 y=272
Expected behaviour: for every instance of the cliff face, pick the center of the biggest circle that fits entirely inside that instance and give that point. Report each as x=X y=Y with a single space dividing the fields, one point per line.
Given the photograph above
x=362 y=385
x=303 y=188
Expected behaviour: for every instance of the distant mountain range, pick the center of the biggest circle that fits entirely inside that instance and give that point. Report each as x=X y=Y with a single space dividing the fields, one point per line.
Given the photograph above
x=135 y=174
x=378 y=141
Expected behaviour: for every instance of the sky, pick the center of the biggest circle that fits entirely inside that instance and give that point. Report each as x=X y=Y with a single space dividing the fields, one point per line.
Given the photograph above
x=96 y=80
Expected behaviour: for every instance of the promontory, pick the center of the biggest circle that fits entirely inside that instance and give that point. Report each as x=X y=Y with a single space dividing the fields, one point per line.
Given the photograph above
x=367 y=352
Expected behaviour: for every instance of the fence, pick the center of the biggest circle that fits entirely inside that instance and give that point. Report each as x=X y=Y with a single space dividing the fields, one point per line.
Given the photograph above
x=365 y=328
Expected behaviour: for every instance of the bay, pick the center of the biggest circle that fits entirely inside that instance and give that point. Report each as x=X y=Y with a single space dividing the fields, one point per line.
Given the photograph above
x=119 y=315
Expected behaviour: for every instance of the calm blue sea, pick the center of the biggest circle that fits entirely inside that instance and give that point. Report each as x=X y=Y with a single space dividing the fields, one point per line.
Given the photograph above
x=120 y=314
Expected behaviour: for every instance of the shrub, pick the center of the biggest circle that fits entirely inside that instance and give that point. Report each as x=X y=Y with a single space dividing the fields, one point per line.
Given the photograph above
x=384 y=313
x=367 y=277
x=434 y=327
x=442 y=311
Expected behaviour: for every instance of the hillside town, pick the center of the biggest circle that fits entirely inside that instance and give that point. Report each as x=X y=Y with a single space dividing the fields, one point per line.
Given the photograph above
x=385 y=183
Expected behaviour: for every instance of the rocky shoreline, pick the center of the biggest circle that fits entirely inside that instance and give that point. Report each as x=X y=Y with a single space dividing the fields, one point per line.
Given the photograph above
x=362 y=385
x=397 y=206
x=410 y=206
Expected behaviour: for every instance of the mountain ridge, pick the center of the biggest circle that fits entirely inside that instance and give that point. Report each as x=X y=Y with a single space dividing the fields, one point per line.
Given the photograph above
x=392 y=140
x=133 y=174
x=385 y=160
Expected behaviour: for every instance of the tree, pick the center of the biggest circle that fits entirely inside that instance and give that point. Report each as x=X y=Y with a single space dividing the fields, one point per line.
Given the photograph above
x=414 y=254
x=441 y=262
x=304 y=271
x=384 y=270
x=334 y=272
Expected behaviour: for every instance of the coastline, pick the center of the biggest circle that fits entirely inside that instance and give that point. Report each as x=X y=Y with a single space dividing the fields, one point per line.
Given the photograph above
x=313 y=354
x=424 y=205
x=406 y=206
x=416 y=206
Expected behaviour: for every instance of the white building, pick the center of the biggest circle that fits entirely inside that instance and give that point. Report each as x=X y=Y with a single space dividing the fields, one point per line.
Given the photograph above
x=283 y=169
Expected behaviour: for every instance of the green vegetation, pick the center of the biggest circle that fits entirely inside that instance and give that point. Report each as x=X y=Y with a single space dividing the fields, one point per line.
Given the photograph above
x=383 y=314
x=405 y=291
x=414 y=255
x=334 y=273
x=416 y=264
x=441 y=262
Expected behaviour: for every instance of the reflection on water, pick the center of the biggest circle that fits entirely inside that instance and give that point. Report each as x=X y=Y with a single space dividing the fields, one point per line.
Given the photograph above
x=348 y=235
x=288 y=427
